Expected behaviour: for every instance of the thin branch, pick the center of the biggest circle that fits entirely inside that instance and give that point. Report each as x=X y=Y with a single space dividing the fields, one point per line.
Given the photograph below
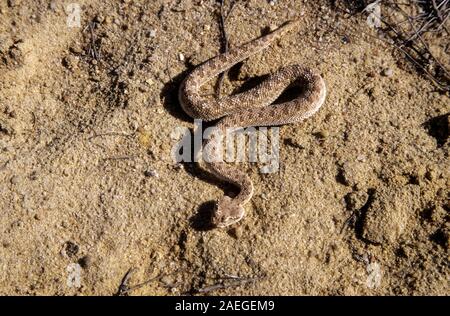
x=225 y=41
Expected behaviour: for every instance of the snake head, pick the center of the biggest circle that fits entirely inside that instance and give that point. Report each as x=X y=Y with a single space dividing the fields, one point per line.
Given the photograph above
x=227 y=212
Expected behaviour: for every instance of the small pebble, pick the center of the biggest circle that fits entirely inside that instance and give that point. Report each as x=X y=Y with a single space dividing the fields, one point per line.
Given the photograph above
x=52 y=5
x=85 y=262
x=236 y=232
x=168 y=280
x=388 y=72
x=70 y=249
x=14 y=180
x=345 y=39
x=181 y=56
x=151 y=173
x=323 y=134
x=69 y=62
x=361 y=158
x=12 y=114
x=178 y=166
x=99 y=18
x=152 y=33
x=76 y=49
x=431 y=175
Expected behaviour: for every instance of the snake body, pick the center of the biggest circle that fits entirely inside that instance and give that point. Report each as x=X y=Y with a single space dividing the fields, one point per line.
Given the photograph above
x=250 y=108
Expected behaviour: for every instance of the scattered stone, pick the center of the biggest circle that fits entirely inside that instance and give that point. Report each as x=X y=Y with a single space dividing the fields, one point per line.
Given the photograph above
x=12 y=3
x=70 y=249
x=323 y=134
x=99 y=18
x=181 y=57
x=168 y=280
x=345 y=39
x=388 y=214
x=96 y=78
x=293 y=143
x=15 y=52
x=33 y=176
x=143 y=88
x=85 y=262
x=272 y=27
x=388 y=72
x=178 y=166
x=36 y=18
x=108 y=20
x=404 y=251
x=151 y=173
x=361 y=158
x=76 y=49
x=152 y=33
x=236 y=232
x=70 y=62
x=14 y=180
x=176 y=249
x=52 y=6
x=431 y=174
x=6 y=128
x=12 y=114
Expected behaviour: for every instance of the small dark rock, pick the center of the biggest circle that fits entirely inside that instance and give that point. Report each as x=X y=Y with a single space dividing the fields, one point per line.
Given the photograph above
x=151 y=173
x=85 y=261
x=14 y=180
x=236 y=232
x=71 y=249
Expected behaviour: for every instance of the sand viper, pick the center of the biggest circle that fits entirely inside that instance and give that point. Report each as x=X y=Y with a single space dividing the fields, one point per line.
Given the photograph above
x=253 y=107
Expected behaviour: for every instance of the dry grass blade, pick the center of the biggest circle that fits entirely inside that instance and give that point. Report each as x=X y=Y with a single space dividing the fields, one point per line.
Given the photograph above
x=410 y=27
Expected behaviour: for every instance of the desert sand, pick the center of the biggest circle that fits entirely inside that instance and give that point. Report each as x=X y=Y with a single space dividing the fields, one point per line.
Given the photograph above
x=88 y=188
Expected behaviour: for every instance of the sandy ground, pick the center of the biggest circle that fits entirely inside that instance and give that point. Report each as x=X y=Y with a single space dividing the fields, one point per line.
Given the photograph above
x=88 y=189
